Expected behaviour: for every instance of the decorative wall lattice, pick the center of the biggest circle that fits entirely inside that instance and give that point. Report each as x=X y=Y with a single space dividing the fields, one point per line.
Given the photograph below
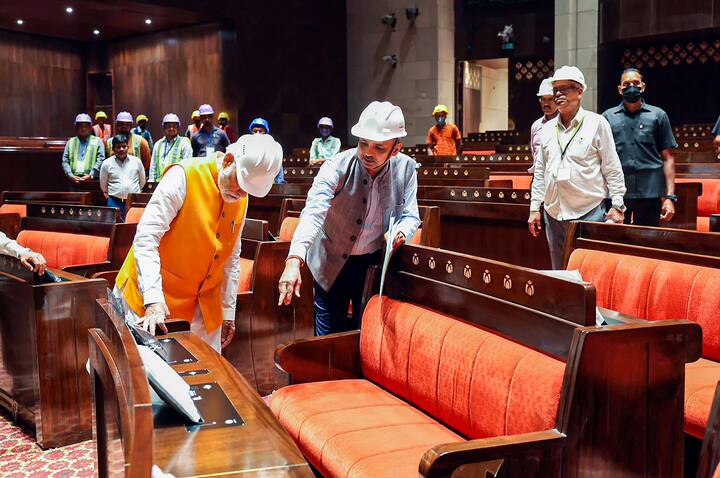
x=533 y=70
x=675 y=55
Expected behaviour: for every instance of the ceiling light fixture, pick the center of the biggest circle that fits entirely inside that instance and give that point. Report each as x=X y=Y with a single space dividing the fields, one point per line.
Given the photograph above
x=96 y=32
x=69 y=9
x=20 y=22
x=148 y=21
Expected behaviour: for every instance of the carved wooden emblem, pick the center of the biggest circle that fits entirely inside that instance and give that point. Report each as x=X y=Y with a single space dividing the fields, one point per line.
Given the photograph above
x=415 y=259
x=431 y=263
x=487 y=278
x=529 y=288
x=467 y=271
x=449 y=267
x=507 y=282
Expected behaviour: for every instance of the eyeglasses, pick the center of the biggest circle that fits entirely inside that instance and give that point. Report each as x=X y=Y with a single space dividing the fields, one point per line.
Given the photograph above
x=564 y=90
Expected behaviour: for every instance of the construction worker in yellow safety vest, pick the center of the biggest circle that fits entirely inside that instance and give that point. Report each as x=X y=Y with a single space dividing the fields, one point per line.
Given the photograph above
x=100 y=129
x=193 y=127
x=84 y=153
x=170 y=149
x=137 y=145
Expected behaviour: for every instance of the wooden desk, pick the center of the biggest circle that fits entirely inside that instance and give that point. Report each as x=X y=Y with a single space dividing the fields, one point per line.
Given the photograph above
x=43 y=329
x=259 y=448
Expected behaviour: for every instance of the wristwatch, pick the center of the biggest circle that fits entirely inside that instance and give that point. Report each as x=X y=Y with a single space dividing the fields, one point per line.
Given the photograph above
x=672 y=197
x=620 y=207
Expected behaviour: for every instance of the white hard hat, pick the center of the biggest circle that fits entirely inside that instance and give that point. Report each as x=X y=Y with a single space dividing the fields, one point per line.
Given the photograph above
x=258 y=159
x=83 y=118
x=571 y=73
x=206 y=110
x=380 y=122
x=546 y=87
x=171 y=118
x=124 y=117
x=325 y=121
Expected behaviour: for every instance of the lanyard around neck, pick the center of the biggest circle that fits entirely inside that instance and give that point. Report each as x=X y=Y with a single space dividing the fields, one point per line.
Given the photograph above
x=563 y=151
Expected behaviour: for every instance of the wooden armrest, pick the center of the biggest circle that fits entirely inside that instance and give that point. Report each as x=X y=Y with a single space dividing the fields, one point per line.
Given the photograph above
x=315 y=359
x=529 y=455
x=88 y=270
x=175 y=325
x=613 y=317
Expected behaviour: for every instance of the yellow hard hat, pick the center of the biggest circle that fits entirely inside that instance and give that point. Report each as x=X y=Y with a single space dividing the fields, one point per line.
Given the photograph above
x=441 y=109
x=195 y=114
x=224 y=115
x=140 y=118
x=100 y=114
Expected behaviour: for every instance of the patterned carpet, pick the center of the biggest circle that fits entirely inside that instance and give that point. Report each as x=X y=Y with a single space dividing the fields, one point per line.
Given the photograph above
x=21 y=457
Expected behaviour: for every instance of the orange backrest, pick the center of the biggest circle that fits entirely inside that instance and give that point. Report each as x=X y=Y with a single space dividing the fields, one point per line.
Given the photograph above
x=709 y=200
x=62 y=249
x=653 y=289
x=134 y=214
x=521 y=181
x=476 y=382
x=20 y=209
x=246 y=275
x=287 y=228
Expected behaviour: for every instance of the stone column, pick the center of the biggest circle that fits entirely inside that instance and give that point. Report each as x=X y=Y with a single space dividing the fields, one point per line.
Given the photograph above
x=576 y=41
x=425 y=70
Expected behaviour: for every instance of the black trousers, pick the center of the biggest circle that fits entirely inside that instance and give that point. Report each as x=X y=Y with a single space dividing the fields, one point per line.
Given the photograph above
x=643 y=212
x=331 y=307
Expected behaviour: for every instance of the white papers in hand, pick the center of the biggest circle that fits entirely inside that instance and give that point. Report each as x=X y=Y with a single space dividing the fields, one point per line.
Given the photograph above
x=575 y=276
x=392 y=232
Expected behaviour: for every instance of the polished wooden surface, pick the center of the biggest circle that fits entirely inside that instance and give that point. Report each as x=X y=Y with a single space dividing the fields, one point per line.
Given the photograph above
x=43 y=82
x=32 y=170
x=44 y=350
x=617 y=416
x=45 y=197
x=259 y=448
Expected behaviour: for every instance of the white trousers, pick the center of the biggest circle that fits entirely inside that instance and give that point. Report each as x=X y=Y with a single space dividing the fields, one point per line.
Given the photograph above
x=197 y=326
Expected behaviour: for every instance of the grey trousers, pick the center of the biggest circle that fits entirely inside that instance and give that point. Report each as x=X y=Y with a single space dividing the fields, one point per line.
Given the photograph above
x=556 y=231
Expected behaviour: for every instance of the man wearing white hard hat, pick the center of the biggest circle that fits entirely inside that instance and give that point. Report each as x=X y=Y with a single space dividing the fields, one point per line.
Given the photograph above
x=549 y=109
x=209 y=138
x=84 y=154
x=137 y=145
x=326 y=146
x=185 y=259
x=347 y=215
x=170 y=149
x=576 y=167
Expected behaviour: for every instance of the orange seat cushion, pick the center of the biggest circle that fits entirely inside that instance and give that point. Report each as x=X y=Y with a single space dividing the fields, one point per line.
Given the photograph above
x=454 y=375
x=20 y=209
x=520 y=181
x=134 y=214
x=701 y=379
x=62 y=249
x=353 y=428
x=703 y=223
x=287 y=228
x=655 y=290
x=246 y=275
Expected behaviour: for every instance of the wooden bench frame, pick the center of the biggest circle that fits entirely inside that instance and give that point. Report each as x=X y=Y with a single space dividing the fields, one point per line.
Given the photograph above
x=598 y=429
x=122 y=393
x=10 y=222
x=42 y=332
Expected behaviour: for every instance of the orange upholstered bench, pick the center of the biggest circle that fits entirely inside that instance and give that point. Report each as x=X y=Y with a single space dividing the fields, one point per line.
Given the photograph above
x=708 y=201
x=493 y=371
x=134 y=214
x=19 y=209
x=62 y=249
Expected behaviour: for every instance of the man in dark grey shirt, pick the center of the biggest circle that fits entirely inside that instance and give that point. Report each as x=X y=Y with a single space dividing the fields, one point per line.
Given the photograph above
x=644 y=141
x=209 y=138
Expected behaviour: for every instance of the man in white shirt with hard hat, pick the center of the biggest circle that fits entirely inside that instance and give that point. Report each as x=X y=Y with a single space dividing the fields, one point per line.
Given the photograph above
x=84 y=154
x=347 y=215
x=185 y=259
x=576 y=167
x=170 y=149
x=549 y=109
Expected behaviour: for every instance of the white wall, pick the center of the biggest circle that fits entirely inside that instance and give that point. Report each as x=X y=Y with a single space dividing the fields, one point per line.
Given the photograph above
x=425 y=74
x=494 y=106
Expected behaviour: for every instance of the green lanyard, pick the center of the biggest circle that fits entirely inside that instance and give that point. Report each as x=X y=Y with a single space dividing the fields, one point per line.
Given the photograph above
x=557 y=131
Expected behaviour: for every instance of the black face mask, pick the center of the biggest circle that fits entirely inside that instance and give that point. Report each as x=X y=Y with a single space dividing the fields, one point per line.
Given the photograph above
x=632 y=94
x=440 y=120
